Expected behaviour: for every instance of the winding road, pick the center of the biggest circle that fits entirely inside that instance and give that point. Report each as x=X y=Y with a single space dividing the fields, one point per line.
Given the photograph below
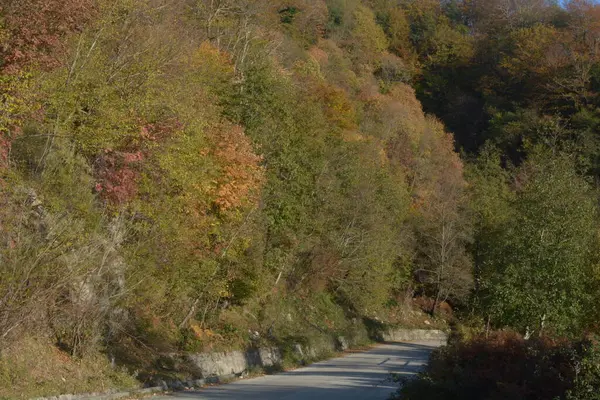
x=355 y=376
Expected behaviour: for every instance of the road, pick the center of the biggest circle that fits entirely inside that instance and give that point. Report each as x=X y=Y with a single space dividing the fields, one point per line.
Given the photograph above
x=355 y=376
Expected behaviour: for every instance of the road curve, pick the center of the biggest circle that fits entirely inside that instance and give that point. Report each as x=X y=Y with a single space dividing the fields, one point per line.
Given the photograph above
x=355 y=376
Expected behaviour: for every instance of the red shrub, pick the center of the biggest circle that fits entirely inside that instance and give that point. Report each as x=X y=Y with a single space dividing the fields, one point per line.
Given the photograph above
x=502 y=366
x=161 y=130
x=117 y=176
x=36 y=30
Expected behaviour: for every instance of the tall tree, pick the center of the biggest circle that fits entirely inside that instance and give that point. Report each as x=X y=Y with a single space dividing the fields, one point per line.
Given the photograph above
x=536 y=277
x=442 y=225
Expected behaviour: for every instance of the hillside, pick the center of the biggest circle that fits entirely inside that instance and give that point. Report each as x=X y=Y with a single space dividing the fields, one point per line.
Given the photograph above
x=191 y=175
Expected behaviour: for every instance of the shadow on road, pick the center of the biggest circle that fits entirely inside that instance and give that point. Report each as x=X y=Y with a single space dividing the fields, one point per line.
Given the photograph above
x=356 y=376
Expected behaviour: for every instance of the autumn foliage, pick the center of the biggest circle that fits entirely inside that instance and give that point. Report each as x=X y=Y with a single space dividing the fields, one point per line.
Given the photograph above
x=503 y=365
x=34 y=32
x=117 y=177
x=179 y=175
x=242 y=173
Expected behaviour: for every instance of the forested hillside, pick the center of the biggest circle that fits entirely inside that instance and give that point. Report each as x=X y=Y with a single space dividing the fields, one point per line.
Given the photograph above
x=189 y=175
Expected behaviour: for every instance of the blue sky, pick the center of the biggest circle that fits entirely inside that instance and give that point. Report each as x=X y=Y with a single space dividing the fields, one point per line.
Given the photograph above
x=565 y=1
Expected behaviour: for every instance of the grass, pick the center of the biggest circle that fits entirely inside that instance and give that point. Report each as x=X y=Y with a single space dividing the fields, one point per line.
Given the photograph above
x=34 y=367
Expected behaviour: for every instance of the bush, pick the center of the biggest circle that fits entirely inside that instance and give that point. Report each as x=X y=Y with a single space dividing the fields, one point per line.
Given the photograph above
x=506 y=366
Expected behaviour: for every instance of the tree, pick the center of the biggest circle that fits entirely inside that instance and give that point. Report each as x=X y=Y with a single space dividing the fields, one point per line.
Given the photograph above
x=534 y=56
x=34 y=31
x=491 y=199
x=442 y=224
x=364 y=210
x=536 y=277
x=444 y=265
x=304 y=19
x=366 y=40
x=398 y=31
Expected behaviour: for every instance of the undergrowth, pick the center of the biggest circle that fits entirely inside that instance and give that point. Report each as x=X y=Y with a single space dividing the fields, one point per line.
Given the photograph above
x=34 y=367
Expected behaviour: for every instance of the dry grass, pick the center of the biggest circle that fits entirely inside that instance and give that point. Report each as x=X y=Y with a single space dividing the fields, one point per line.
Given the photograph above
x=33 y=367
x=411 y=315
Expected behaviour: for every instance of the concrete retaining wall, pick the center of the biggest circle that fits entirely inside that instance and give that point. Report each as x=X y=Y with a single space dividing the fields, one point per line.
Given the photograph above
x=134 y=393
x=233 y=363
x=212 y=366
x=411 y=335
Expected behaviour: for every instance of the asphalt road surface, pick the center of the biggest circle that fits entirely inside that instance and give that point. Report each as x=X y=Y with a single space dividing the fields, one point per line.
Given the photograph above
x=355 y=376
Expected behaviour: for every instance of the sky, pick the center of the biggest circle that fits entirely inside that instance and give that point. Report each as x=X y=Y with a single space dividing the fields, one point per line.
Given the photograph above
x=563 y=2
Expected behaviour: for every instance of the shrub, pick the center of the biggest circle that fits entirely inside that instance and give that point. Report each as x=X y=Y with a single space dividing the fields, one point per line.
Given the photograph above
x=506 y=366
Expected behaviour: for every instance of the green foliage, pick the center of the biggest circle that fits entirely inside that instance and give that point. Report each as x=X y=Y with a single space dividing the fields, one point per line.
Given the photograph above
x=491 y=195
x=196 y=171
x=449 y=47
x=363 y=207
x=536 y=274
x=587 y=378
x=367 y=40
x=340 y=14
x=397 y=27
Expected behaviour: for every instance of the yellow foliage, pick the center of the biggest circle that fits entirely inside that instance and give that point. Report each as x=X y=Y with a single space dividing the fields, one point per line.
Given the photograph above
x=368 y=39
x=202 y=333
x=352 y=136
x=399 y=33
x=450 y=47
x=537 y=50
x=338 y=106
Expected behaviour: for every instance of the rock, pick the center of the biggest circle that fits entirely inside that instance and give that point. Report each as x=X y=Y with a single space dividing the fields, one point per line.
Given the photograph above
x=269 y=356
x=227 y=378
x=220 y=363
x=176 y=385
x=298 y=350
x=199 y=383
x=254 y=335
x=341 y=343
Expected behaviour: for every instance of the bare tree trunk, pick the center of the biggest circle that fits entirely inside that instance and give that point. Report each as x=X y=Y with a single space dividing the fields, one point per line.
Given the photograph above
x=542 y=324
x=437 y=296
x=189 y=314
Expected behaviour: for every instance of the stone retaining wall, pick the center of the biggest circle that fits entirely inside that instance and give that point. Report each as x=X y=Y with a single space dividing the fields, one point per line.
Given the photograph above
x=213 y=367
